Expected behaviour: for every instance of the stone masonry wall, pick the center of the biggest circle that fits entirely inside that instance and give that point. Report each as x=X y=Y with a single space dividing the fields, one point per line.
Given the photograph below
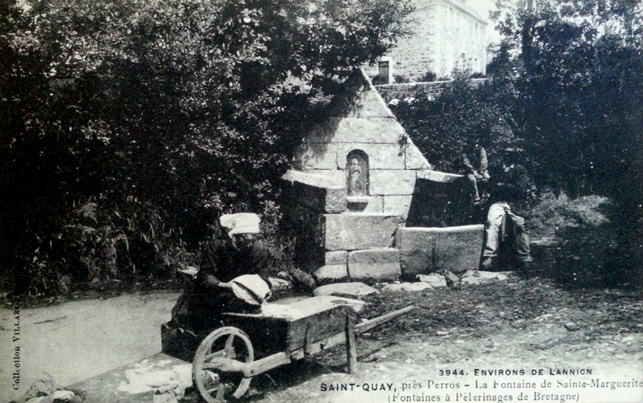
x=355 y=180
x=431 y=90
x=447 y=34
x=425 y=250
x=415 y=55
x=365 y=123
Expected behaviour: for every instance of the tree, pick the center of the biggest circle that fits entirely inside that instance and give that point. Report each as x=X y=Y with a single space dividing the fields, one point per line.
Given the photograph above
x=464 y=112
x=579 y=66
x=580 y=109
x=138 y=123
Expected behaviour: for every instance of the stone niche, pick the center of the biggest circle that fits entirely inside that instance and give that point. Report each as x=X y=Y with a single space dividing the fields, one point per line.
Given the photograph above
x=357 y=181
x=357 y=173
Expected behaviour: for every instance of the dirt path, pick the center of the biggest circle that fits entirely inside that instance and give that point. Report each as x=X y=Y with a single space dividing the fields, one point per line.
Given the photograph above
x=521 y=325
x=76 y=340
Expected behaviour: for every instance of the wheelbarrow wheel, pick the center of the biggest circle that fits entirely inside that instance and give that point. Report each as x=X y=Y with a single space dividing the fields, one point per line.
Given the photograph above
x=214 y=383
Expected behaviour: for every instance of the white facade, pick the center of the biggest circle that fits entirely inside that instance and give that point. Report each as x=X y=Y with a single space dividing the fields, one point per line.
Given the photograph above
x=448 y=35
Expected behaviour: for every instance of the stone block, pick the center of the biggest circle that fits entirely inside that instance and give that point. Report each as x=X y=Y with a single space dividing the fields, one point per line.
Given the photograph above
x=317 y=178
x=315 y=156
x=475 y=277
x=134 y=382
x=434 y=279
x=375 y=265
x=414 y=159
x=375 y=272
x=382 y=130
x=331 y=273
x=333 y=176
x=398 y=205
x=336 y=257
x=417 y=250
x=380 y=156
x=437 y=176
x=459 y=248
x=392 y=182
x=407 y=287
x=350 y=231
x=424 y=250
x=313 y=192
x=352 y=289
x=374 y=256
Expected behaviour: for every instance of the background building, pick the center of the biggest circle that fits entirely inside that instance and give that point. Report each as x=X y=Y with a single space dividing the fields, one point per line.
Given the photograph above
x=447 y=34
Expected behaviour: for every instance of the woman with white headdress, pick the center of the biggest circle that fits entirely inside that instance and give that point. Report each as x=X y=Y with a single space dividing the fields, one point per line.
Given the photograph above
x=228 y=278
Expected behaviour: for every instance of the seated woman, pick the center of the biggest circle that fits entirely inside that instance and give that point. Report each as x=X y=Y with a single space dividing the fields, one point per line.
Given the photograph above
x=215 y=290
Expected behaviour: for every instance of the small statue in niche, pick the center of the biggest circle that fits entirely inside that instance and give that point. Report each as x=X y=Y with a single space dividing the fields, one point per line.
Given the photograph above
x=356 y=179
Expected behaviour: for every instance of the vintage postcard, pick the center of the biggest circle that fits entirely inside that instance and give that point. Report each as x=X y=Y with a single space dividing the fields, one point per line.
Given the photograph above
x=321 y=201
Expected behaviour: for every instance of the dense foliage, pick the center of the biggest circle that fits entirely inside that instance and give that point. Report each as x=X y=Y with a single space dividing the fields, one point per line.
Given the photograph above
x=566 y=85
x=127 y=127
x=581 y=86
x=464 y=112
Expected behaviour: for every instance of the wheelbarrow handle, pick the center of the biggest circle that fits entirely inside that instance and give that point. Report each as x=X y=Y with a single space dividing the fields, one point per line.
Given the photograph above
x=380 y=320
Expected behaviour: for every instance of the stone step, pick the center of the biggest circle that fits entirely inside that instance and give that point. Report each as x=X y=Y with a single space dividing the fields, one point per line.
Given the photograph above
x=373 y=266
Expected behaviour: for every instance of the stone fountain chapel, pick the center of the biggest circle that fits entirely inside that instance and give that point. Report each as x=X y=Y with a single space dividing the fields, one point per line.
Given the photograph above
x=364 y=204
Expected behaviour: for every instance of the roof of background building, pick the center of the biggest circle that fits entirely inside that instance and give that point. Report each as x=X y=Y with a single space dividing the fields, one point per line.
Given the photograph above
x=460 y=5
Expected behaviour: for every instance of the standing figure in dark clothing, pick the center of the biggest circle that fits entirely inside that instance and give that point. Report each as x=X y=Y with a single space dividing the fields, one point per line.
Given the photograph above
x=505 y=217
x=218 y=287
x=474 y=165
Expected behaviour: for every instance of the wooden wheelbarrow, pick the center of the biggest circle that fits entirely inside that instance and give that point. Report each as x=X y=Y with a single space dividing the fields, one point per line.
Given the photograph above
x=224 y=363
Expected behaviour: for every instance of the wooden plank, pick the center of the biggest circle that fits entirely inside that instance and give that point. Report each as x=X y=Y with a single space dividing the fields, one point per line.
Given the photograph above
x=266 y=364
x=351 y=345
x=336 y=339
x=380 y=320
x=317 y=327
x=299 y=324
x=296 y=310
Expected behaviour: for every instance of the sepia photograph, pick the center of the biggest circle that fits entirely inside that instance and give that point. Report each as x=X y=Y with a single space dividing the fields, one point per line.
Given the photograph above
x=321 y=201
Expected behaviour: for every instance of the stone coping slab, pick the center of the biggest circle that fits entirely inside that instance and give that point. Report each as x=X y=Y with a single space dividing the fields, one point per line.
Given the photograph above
x=437 y=176
x=312 y=179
